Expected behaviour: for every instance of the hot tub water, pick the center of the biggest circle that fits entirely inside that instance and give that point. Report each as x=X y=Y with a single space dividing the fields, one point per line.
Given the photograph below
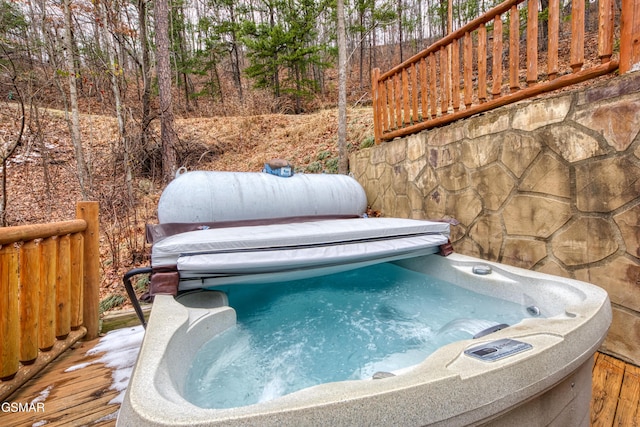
x=294 y=335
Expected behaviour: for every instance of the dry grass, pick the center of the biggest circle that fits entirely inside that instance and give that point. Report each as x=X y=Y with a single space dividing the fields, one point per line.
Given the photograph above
x=245 y=143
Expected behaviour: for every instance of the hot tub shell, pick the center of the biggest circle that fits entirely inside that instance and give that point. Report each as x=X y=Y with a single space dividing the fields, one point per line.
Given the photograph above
x=549 y=384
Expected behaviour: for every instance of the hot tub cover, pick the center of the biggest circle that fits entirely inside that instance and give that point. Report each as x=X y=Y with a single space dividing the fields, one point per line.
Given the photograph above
x=280 y=248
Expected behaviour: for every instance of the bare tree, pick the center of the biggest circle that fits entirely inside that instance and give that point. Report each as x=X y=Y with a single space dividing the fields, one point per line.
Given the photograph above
x=114 y=68
x=168 y=136
x=144 y=66
x=74 y=123
x=8 y=146
x=343 y=161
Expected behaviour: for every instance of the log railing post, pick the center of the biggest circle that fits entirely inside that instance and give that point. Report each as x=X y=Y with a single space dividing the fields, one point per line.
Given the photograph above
x=9 y=330
x=375 y=100
x=29 y=301
x=88 y=211
x=76 y=255
x=48 y=273
x=63 y=288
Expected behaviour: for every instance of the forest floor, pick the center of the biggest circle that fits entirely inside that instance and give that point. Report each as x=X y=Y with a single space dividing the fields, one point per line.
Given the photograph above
x=42 y=183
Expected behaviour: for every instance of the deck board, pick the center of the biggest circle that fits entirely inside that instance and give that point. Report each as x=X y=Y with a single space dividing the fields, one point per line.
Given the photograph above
x=81 y=397
x=608 y=374
x=627 y=413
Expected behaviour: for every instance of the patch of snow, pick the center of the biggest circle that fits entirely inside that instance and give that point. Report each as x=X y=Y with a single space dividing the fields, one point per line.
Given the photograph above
x=78 y=366
x=39 y=423
x=43 y=395
x=118 y=399
x=108 y=417
x=120 y=348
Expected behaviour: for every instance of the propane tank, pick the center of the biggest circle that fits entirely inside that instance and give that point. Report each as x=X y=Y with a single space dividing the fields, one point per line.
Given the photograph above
x=209 y=196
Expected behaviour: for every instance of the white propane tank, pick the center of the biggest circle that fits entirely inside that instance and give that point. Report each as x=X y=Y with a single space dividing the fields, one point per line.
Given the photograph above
x=206 y=196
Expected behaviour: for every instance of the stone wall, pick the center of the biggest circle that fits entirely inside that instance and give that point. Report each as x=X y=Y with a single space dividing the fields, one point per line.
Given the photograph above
x=551 y=185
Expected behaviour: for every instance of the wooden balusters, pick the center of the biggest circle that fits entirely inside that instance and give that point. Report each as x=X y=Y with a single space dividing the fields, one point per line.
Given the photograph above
x=383 y=107
x=391 y=102
x=553 y=23
x=445 y=79
x=414 y=93
x=496 y=69
x=398 y=95
x=405 y=97
x=482 y=63
x=432 y=85
x=514 y=49
x=577 y=35
x=423 y=89
x=427 y=89
x=455 y=74
x=605 y=30
x=468 y=69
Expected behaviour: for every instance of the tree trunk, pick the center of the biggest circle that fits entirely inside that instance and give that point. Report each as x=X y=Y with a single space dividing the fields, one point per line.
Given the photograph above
x=362 y=34
x=343 y=161
x=235 y=60
x=145 y=66
x=168 y=135
x=9 y=148
x=74 y=123
x=544 y=27
x=111 y=53
x=400 y=36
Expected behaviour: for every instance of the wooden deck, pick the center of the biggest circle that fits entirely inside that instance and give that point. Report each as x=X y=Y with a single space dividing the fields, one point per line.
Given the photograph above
x=78 y=397
x=76 y=390
x=615 y=393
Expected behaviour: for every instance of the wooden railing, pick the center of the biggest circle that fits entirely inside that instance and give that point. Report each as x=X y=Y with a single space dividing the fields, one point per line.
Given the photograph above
x=49 y=292
x=428 y=89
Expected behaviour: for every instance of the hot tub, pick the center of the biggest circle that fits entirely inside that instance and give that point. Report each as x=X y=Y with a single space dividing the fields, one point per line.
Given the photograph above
x=549 y=383
x=536 y=371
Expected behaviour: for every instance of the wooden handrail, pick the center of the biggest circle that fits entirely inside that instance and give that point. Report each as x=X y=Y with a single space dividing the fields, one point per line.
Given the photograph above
x=24 y=233
x=49 y=290
x=428 y=90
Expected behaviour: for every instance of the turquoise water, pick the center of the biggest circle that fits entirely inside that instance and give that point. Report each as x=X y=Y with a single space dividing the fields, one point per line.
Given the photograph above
x=346 y=326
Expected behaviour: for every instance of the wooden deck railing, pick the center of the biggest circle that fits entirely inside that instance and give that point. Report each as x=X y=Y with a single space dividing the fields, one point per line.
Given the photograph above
x=428 y=89
x=49 y=292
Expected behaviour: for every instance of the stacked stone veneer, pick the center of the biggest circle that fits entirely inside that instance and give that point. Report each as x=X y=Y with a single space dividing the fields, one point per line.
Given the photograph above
x=551 y=185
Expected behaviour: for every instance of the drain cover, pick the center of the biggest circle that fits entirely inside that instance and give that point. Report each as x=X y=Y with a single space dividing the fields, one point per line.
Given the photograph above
x=495 y=350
